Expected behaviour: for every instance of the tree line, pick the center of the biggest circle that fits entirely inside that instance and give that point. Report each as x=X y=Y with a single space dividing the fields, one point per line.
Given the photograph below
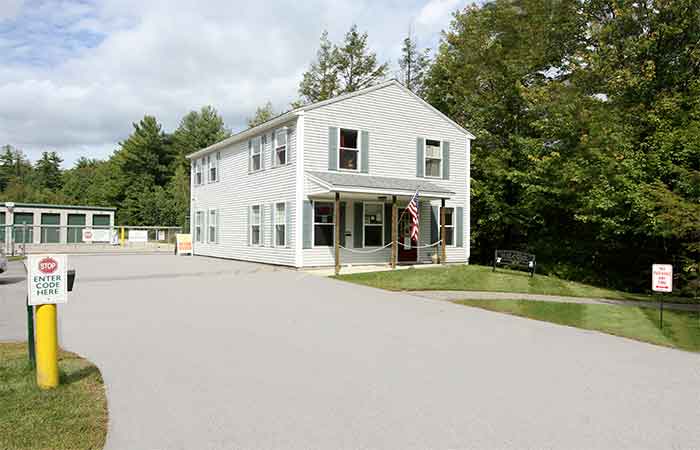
x=587 y=122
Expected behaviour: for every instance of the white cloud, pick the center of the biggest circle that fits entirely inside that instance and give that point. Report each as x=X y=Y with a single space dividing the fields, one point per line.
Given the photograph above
x=77 y=87
x=437 y=12
x=9 y=9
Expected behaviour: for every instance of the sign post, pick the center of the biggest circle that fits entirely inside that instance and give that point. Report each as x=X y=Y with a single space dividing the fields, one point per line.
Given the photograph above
x=47 y=285
x=30 y=335
x=661 y=281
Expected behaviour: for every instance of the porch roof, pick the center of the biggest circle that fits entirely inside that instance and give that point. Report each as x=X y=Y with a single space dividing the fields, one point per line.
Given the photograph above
x=350 y=182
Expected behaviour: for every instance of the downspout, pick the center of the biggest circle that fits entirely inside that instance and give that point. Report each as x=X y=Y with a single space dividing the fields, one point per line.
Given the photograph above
x=299 y=197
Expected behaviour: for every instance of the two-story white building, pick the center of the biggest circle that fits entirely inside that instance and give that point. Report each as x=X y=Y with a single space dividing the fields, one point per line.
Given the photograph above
x=328 y=183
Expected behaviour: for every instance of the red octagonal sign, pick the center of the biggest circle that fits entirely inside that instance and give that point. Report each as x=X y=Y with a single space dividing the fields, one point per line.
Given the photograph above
x=48 y=265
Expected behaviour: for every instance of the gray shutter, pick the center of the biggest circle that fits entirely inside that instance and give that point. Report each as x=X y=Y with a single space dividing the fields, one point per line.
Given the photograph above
x=262 y=224
x=342 y=223
x=460 y=226
x=288 y=158
x=272 y=224
x=247 y=228
x=273 y=159
x=387 y=223
x=262 y=140
x=445 y=160
x=434 y=224
x=332 y=148
x=288 y=227
x=420 y=151
x=308 y=224
x=357 y=226
x=250 y=152
x=364 y=152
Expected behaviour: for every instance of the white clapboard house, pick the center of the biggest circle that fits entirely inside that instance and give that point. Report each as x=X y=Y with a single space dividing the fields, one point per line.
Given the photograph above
x=319 y=185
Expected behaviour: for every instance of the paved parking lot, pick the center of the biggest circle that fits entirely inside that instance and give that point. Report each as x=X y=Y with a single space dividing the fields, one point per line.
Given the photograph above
x=211 y=354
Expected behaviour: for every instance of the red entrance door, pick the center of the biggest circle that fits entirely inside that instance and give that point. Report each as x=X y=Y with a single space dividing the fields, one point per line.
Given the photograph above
x=407 y=246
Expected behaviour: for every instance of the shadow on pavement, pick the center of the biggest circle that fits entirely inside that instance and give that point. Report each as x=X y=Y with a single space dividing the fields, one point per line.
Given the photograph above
x=11 y=280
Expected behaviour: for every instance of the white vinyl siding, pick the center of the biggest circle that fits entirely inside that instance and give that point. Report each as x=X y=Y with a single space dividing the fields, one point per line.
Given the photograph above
x=237 y=190
x=394 y=120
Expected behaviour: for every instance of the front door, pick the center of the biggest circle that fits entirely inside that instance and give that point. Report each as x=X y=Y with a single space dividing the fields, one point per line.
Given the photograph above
x=407 y=246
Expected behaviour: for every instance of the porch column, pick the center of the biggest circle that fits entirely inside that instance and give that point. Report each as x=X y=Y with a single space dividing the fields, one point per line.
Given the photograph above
x=337 y=232
x=443 y=253
x=394 y=232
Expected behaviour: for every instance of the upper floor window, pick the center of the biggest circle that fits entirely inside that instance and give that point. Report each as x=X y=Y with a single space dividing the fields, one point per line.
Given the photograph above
x=280 y=144
x=255 y=149
x=349 y=150
x=433 y=158
x=214 y=167
x=198 y=172
x=374 y=225
x=324 y=223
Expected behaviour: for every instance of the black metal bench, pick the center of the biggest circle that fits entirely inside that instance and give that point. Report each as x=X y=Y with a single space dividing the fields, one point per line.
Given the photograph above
x=514 y=258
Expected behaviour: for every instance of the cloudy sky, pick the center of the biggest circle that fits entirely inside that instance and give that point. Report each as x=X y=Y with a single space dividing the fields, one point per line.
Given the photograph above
x=75 y=74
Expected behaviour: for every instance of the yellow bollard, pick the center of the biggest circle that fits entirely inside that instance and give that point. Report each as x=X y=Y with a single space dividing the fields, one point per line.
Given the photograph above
x=46 y=347
x=122 y=237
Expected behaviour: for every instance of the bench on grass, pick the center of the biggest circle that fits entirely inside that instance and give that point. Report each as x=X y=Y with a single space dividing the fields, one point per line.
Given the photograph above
x=514 y=258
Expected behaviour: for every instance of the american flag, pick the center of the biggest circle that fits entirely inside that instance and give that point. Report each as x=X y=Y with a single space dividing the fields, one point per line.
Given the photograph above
x=413 y=211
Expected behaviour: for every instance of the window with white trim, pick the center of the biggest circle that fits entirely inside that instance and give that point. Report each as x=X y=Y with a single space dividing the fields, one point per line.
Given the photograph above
x=255 y=215
x=198 y=172
x=324 y=224
x=212 y=225
x=349 y=150
x=214 y=167
x=199 y=218
x=280 y=224
x=373 y=224
x=255 y=148
x=280 y=144
x=433 y=158
x=449 y=227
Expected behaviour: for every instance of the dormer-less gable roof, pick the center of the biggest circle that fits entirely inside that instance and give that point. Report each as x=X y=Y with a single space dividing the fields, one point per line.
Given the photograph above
x=285 y=117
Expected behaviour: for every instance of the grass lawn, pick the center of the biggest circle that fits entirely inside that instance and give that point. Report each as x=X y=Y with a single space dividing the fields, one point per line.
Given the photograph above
x=681 y=329
x=482 y=278
x=72 y=416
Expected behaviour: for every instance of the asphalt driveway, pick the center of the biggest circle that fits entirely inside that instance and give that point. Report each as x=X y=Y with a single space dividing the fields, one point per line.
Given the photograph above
x=210 y=354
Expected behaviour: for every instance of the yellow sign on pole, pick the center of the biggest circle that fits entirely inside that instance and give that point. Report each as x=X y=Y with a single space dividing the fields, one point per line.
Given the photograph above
x=46 y=347
x=47 y=285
